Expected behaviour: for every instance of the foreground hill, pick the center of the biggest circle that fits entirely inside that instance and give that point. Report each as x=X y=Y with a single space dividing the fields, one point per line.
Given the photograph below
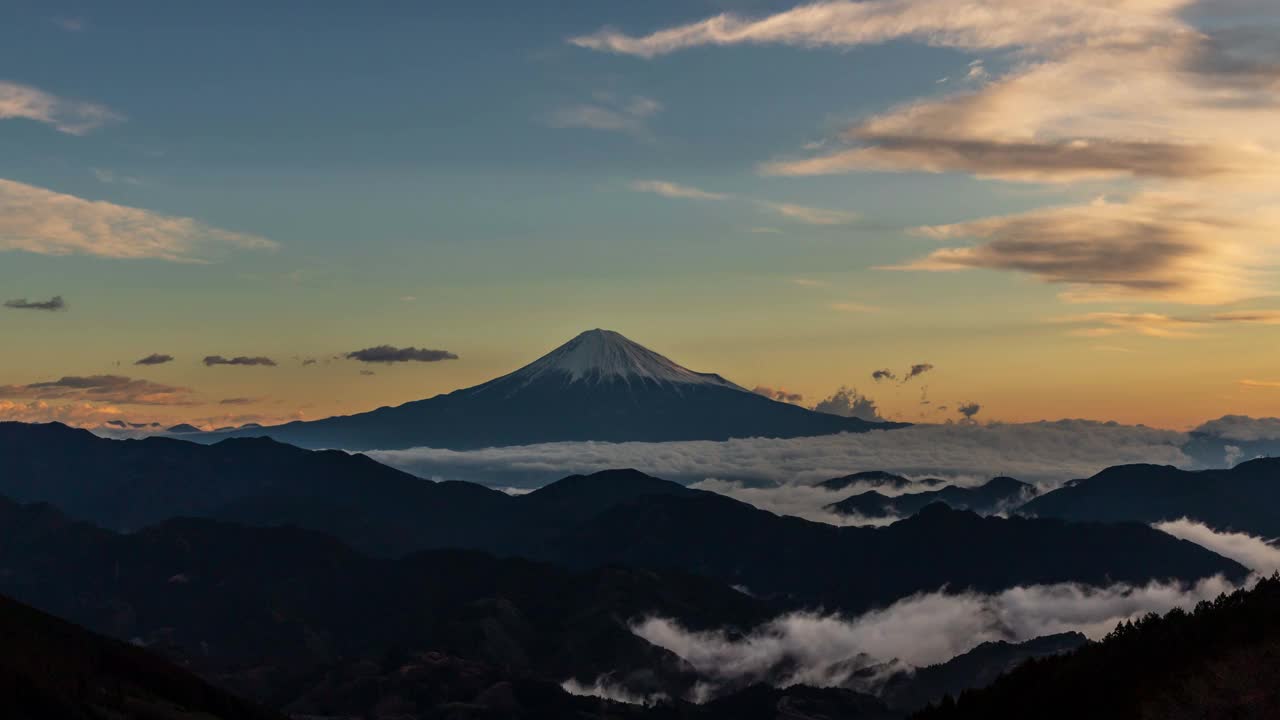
x=597 y=386
x=1220 y=661
x=1245 y=498
x=52 y=670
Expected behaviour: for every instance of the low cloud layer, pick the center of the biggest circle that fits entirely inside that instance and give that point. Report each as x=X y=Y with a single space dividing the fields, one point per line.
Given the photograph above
x=1242 y=428
x=53 y=304
x=923 y=629
x=1044 y=452
x=388 y=354
x=115 y=389
x=212 y=360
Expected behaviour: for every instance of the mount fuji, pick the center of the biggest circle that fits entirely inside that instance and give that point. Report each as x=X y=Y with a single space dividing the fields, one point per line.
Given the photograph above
x=598 y=386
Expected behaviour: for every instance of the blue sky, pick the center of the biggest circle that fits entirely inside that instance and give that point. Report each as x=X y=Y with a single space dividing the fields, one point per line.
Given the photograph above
x=462 y=175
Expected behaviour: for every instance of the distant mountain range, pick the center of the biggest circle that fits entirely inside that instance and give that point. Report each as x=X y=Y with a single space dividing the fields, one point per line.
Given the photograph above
x=612 y=517
x=997 y=494
x=597 y=386
x=1245 y=498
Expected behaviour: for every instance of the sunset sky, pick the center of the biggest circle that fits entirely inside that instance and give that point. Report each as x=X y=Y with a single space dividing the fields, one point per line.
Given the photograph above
x=1069 y=209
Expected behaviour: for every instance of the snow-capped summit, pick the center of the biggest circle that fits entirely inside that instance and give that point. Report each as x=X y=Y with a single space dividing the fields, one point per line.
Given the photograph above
x=599 y=355
x=598 y=386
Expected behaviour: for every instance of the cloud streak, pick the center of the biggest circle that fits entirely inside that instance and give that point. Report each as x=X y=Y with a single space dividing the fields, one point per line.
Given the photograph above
x=101 y=389
x=609 y=113
x=69 y=116
x=45 y=222
x=53 y=304
x=791 y=211
x=212 y=360
x=154 y=359
x=388 y=354
x=1096 y=90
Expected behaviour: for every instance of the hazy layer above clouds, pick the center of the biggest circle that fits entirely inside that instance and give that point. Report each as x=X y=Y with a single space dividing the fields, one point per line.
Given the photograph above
x=1044 y=452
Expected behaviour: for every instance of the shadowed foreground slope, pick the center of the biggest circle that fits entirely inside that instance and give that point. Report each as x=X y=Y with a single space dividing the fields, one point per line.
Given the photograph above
x=53 y=670
x=1221 y=660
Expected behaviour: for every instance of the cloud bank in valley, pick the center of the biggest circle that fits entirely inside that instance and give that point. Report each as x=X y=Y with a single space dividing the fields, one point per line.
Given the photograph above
x=1251 y=551
x=928 y=628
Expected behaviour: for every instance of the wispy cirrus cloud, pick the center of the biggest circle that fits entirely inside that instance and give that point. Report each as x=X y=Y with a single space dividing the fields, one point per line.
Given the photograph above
x=608 y=112
x=791 y=211
x=73 y=117
x=1096 y=90
x=675 y=190
x=45 y=222
x=1152 y=246
x=1158 y=325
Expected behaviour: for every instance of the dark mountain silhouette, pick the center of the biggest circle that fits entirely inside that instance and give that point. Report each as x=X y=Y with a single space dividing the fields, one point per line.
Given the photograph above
x=127 y=484
x=1245 y=498
x=597 y=386
x=856 y=568
x=225 y=596
x=612 y=517
x=877 y=478
x=51 y=669
x=975 y=669
x=1002 y=493
x=1220 y=661
x=298 y=621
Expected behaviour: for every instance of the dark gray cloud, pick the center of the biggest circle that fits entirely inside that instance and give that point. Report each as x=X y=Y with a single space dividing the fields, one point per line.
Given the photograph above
x=308 y=361
x=916 y=371
x=54 y=304
x=883 y=374
x=154 y=359
x=367 y=372
x=237 y=401
x=389 y=354
x=779 y=394
x=211 y=360
x=101 y=388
